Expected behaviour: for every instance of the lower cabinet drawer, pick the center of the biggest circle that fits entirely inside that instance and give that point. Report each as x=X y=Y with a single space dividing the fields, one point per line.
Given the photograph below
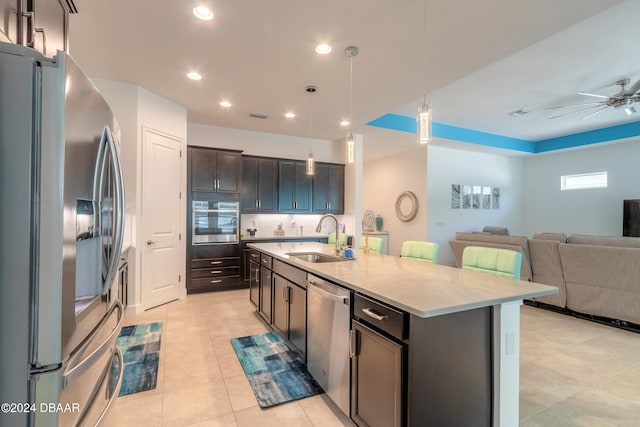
x=215 y=262
x=215 y=272
x=379 y=315
x=214 y=281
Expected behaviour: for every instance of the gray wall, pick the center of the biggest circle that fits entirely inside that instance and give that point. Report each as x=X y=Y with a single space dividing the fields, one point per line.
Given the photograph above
x=594 y=211
x=449 y=166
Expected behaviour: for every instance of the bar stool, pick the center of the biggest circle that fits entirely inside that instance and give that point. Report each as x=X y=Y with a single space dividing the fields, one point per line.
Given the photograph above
x=501 y=262
x=376 y=244
x=425 y=251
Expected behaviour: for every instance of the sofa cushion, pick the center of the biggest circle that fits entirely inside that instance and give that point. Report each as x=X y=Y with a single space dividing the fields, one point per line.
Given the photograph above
x=546 y=267
x=602 y=280
x=620 y=242
x=499 y=231
x=560 y=237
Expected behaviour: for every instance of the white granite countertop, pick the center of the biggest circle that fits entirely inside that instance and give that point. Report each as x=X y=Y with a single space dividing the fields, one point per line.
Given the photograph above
x=420 y=288
x=247 y=238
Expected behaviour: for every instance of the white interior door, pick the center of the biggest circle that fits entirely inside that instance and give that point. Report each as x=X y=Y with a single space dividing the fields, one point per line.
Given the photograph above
x=161 y=204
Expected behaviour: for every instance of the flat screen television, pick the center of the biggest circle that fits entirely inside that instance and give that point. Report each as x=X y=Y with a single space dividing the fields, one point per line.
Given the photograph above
x=631 y=218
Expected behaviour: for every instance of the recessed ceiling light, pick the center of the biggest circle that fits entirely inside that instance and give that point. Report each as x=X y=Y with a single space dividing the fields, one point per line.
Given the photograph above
x=345 y=123
x=323 y=49
x=289 y=115
x=225 y=104
x=204 y=13
x=194 y=75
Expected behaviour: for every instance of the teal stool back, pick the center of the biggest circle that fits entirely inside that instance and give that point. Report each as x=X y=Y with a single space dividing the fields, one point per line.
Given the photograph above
x=376 y=244
x=426 y=251
x=501 y=262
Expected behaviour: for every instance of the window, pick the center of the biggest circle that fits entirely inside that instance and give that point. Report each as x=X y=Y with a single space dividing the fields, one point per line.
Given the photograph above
x=583 y=181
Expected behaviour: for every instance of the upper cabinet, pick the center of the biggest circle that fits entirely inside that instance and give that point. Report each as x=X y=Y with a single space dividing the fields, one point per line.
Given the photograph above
x=10 y=10
x=259 y=184
x=272 y=185
x=39 y=24
x=328 y=189
x=294 y=187
x=215 y=171
x=47 y=26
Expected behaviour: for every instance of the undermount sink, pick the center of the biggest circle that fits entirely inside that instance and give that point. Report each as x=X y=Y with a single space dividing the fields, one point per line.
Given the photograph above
x=315 y=257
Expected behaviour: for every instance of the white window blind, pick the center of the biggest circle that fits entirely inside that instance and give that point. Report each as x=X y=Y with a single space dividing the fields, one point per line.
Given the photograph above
x=583 y=181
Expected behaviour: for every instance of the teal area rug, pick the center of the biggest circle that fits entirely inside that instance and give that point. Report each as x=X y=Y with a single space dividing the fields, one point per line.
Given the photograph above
x=140 y=345
x=275 y=372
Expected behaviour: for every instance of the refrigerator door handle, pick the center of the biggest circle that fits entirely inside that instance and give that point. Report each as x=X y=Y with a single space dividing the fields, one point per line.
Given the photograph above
x=71 y=375
x=118 y=231
x=98 y=180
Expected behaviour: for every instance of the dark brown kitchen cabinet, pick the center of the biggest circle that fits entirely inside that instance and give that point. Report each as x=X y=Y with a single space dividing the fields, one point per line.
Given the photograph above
x=265 y=288
x=290 y=312
x=214 y=171
x=259 y=184
x=328 y=189
x=210 y=274
x=376 y=379
x=254 y=278
x=294 y=187
x=290 y=304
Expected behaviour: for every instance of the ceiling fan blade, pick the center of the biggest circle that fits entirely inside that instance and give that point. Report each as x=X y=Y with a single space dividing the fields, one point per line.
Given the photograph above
x=574 y=105
x=633 y=89
x=593 y=95
x=597 y=112
x=575 y=111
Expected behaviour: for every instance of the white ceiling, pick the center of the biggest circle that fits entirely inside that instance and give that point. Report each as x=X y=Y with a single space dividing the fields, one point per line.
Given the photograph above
x=485 y=59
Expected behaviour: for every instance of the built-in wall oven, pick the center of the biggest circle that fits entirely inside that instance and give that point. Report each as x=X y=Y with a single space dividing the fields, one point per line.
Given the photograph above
x=214 y=222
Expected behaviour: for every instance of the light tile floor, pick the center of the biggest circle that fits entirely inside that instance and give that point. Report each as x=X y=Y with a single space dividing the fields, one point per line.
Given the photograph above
x=573 y=372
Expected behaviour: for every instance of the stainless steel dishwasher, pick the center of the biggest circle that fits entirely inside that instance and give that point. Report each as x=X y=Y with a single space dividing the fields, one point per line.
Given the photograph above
x=328 y=316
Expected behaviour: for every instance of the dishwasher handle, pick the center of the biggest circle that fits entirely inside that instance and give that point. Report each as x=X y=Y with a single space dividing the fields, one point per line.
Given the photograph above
x=311 y=286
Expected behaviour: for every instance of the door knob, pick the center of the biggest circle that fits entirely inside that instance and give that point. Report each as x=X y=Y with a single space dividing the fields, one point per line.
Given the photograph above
x=151 y=242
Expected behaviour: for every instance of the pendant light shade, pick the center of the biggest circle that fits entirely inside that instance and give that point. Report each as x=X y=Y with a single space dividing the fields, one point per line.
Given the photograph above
x=311 y=163
x=351 y=149
x=424 y=123
x=350 y=52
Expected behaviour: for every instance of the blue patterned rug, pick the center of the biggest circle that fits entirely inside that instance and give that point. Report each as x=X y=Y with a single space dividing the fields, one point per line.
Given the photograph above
x=275 y=372
x=140 y=345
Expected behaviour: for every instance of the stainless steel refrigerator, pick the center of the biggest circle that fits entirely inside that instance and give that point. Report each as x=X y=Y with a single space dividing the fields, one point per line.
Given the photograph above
x=61 y=233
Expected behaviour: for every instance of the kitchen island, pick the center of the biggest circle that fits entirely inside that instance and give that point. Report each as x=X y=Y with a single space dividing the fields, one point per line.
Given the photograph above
x=463 y=338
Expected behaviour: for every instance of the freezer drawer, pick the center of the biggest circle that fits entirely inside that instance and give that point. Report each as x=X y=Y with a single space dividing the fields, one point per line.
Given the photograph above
x=84 y=377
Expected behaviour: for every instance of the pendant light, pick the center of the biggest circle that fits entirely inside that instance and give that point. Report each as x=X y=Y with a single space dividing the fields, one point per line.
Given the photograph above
x=350 y=51
x=424 y=110
x=311 y=164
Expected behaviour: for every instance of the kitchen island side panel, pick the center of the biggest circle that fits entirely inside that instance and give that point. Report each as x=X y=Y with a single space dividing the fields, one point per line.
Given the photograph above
x=451 y=369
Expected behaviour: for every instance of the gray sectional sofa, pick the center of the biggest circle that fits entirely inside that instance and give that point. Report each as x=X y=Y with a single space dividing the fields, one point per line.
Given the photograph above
x=602 y=276
x=595 y=275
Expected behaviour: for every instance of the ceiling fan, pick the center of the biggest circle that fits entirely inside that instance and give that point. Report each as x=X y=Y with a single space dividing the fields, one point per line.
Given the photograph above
x=625 y=98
